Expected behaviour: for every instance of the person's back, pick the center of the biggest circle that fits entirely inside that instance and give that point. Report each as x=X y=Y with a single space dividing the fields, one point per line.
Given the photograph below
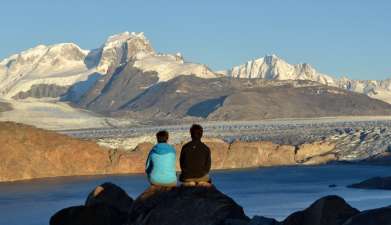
x=195 y=160
x=160 y=165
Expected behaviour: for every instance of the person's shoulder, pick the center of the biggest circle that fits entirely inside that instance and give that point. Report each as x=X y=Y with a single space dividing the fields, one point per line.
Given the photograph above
x=171 y=147
x=187 y=144
x=204 y=145
x=162 y=148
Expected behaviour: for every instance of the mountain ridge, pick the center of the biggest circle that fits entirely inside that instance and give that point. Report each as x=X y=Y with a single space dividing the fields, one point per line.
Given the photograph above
x=126 y=70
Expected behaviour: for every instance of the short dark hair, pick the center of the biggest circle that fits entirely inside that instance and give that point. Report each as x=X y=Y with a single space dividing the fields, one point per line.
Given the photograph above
x=162 y=136
x=196 y=131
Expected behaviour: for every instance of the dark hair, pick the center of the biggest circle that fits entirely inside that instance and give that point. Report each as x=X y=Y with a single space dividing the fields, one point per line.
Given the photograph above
x=162 y=136
x=196 y=131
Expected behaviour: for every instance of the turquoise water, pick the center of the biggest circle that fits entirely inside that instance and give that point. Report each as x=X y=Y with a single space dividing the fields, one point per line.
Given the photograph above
x=272 y=192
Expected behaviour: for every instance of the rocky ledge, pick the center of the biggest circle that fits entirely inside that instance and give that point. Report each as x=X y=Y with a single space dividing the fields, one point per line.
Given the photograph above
x=109 y=204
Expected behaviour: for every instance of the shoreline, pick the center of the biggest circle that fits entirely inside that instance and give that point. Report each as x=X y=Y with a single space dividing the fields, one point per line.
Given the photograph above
x=228 y=170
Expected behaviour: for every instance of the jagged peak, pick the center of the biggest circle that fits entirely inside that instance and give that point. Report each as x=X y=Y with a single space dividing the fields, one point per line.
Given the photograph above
x=119 y=39
x=125 y=36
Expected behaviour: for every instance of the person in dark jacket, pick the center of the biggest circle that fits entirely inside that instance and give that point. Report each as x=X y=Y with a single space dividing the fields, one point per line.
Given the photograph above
x=195 y=160
x=160 y=165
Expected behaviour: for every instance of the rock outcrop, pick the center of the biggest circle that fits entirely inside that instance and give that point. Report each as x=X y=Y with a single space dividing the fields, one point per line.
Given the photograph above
x=374 y=183
x=329 y=210
x=255 y=154
x=106 y=204
x=185 y=205
x=111 y=195
x=311 y=150
x=371 y=217
x=28 y=152
x=179 y=205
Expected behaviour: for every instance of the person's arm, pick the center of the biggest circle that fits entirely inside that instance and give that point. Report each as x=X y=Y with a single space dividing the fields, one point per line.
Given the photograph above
x=208 y=162
x=182 y=157
x=148 y=164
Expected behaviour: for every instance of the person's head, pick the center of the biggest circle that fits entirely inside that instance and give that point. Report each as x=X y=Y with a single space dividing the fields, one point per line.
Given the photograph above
x=196 y=132
x=162 y=136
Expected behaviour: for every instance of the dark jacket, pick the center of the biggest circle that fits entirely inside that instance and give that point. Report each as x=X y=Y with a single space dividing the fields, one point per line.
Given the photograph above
x=195 y=160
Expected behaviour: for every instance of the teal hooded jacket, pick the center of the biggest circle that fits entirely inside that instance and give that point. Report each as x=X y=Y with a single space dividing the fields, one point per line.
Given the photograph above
x=160 y=165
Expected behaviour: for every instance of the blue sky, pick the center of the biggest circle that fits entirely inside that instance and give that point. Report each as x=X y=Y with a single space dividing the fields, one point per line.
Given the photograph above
x=349 y=37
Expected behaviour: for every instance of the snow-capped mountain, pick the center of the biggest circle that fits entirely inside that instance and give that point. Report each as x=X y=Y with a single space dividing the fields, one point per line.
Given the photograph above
x=44 y=70
x=272 y=67
x=61 y=64
x=379 y=89
x=51 y=71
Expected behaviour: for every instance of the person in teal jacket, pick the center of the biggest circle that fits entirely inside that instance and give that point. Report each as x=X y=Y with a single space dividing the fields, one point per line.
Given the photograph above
x=160 y=165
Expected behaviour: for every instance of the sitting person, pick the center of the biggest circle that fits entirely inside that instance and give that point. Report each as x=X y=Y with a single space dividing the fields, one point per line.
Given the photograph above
x=160 y=165
x=195 y=160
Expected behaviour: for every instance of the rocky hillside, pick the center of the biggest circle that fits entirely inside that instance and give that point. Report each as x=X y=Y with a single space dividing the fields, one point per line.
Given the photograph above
x=110 y=204
x=243 y=99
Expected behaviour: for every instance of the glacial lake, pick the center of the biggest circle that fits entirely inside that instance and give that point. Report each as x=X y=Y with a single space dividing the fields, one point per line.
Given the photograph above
x=272 y=192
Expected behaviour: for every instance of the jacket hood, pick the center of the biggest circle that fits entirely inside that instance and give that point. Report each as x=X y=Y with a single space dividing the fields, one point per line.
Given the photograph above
x=163 y=148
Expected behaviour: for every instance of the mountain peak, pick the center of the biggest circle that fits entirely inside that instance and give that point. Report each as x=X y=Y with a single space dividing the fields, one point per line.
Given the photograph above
x=126 y=35
x=123 y=47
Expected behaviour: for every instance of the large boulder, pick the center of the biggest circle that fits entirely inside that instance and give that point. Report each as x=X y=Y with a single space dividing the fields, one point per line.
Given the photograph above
x=374 y=183
x=107 y=204
x=185 y=206
x=329 y=210
x=381 y=216
x=99 y=214
x=111 y=195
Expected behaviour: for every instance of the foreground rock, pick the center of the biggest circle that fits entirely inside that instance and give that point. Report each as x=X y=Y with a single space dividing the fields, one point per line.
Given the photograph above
x=93 y=215
x=107 y=204
x=374 y=183
x=381 y=216
x=329 y=210
x=110 y=195
x=185 y=205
